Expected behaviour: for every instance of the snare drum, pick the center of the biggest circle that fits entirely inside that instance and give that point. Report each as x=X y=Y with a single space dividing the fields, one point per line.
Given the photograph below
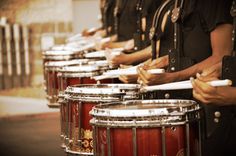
x=80 y=100
x=147 y=127
x=51 y=80
x=72 y=75
x=59 y=55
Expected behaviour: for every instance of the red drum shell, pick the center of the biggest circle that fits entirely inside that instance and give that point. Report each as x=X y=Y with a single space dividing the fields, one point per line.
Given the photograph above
x=137 y=127
x=80 y=103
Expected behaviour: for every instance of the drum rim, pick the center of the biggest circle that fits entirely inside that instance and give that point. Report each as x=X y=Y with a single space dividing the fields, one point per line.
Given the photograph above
x=100 y=111
x=116 y=85
x=79 y=68
x=97 y=89
x=65 y=63
x=77 y=75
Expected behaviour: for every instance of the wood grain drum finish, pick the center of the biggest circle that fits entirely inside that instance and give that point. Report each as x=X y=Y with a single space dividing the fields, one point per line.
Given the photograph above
x=148 y=127
x=80 y=101
x=69 y=76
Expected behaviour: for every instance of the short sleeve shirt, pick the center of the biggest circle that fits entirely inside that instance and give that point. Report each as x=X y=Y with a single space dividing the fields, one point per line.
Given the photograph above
x=200 y=18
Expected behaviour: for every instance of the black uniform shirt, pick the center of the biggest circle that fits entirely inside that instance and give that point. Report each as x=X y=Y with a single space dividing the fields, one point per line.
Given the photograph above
x=200 y=17
x=109 y=18
x=149 y=9
x=127 y=20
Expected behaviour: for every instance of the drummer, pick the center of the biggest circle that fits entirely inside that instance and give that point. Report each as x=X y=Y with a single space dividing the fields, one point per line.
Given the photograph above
x=107 y=20
x=206 y=33
x=213 y=95
x=206 y=36
x=128 y=32
x=218 y=98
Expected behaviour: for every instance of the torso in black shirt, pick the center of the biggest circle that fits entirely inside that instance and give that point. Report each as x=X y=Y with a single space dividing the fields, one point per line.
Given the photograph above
x=199 y=19
x=127 y=20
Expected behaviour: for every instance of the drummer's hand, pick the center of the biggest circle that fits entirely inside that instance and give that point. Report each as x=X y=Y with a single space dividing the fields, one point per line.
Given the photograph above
x=160 y=62
x=122 y=58
x=100 y=33
x=145 y=78
x=128 y=78
x=212 y=73
x=209 y=94
x=101 y=46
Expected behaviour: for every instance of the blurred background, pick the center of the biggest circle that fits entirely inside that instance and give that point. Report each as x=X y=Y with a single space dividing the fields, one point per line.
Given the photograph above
x=28 y=27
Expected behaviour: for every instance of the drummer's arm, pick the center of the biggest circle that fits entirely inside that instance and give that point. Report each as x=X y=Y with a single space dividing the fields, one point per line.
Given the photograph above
x=132 y=58
x=140 y=56
x=117 y=44
x=221 y=45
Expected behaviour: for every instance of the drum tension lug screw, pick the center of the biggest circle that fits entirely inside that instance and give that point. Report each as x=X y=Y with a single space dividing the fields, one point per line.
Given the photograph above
x=167 y=95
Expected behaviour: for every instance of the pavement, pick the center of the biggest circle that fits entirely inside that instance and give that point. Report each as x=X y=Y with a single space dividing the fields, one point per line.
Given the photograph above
x=29 y=128
x=11 y=106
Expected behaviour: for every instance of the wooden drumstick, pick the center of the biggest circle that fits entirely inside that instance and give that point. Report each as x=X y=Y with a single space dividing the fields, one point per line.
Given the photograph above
x=117 y=73
x=132 y=71
x=184 y=85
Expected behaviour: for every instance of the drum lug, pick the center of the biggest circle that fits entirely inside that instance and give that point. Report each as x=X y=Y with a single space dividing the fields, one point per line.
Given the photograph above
x=68 y=142
x=167 y=95
x=79 y=142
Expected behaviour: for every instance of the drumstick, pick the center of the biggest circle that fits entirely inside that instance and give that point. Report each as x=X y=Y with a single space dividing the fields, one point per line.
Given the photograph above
x=131 y=71
x=94 y=54
x=102 y=77
x=184 y=85
x=117 y=73
x=105 y=40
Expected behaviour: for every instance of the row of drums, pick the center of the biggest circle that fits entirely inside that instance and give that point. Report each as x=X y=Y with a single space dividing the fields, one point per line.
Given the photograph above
x=108 y=118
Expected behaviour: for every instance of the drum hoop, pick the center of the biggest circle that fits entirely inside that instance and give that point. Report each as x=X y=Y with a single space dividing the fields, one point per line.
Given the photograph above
x=77 y=69
x=93 y=88
x=143 y=123
x=91 y=97
x=65 y=63
x=58 y=58
x=78 y=75
x=94 y=100
x=104 y=111
x=53 y=68
x=93 y=91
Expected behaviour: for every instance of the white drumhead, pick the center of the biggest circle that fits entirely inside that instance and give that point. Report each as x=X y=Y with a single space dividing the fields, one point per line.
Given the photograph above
x=92 y=89
x=66 y=63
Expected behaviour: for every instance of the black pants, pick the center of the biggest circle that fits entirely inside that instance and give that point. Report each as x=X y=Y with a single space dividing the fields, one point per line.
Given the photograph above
x=223 y=141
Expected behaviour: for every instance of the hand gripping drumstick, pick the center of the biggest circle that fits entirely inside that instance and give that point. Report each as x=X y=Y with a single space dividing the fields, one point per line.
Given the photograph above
x=184 y=85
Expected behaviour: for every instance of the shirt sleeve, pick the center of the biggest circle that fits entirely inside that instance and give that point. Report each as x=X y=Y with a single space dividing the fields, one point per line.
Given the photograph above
x=215 y=12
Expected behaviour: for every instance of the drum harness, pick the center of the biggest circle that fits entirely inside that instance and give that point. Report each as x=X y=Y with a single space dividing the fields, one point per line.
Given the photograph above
x=229 y=62
x=138 y=42
x=107 y=7
x=177 y=61
x=117 y=13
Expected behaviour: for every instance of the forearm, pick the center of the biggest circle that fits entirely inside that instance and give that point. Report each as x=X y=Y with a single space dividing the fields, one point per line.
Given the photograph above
x=198 y=68
x=228 y=95
x=220 y=44
x=117 y=44
x=140 y=56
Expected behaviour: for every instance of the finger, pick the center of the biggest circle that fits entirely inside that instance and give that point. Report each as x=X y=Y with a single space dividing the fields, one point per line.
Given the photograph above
x=143 y=75
x=199 y=97
x=205 y=87
x=123 y=79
